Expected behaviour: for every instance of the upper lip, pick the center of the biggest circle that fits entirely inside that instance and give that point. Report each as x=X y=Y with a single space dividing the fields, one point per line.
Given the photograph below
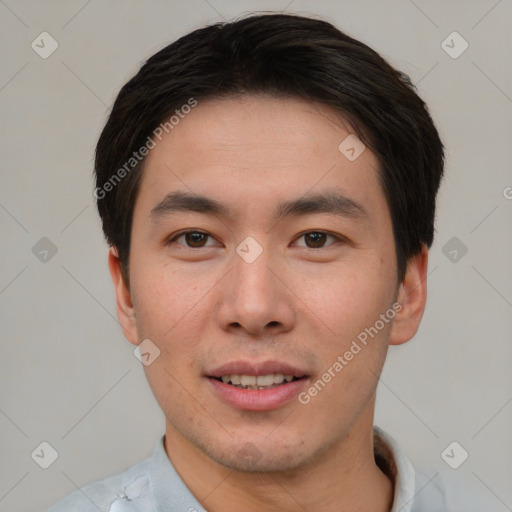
x=256 y=369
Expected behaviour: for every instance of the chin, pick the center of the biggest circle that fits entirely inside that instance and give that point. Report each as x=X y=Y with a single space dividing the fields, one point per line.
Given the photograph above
x=261 y=458
x=265 y=463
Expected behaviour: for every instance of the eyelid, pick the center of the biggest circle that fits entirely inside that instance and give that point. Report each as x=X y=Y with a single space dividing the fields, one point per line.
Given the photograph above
x=338 y=237
x=174 y=236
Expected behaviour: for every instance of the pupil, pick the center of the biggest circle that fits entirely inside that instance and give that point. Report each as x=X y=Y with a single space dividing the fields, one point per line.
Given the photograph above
x=192 y=238
x=320 y=238
x=195 y=239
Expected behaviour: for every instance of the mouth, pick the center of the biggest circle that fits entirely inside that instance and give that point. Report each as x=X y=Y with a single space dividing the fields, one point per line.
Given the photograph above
x=261 y=382
x=253 y=386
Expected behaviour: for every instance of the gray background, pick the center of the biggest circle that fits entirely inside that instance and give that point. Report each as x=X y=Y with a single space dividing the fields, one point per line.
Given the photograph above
x=68 y=376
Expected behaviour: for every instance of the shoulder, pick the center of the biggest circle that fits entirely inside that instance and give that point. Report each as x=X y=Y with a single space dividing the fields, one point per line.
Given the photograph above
x=110 y=494
x=433 y=489
x=448 y=491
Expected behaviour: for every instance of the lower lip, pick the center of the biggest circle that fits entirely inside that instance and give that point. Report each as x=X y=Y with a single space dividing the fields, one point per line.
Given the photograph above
x=258 y=399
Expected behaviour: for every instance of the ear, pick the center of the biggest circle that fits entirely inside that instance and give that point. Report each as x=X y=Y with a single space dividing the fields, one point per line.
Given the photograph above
x=124 y=305
x=412 y=295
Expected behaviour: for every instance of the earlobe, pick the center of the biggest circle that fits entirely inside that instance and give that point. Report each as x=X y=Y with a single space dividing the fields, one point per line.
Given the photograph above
x=124 y=304
x=412 y=296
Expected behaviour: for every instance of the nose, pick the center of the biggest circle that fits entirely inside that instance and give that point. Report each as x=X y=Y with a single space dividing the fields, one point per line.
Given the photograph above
x=254 y=297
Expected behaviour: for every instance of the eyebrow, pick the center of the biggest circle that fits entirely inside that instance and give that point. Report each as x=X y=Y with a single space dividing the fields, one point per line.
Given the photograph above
x=325 y=202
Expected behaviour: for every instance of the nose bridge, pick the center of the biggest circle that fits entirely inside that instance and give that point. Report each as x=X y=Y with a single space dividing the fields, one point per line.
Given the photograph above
x=253 y=280
x=253 y=298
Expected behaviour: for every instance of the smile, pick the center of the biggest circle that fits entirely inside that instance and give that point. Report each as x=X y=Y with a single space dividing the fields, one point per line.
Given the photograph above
x=257 y=386
x=257 y=382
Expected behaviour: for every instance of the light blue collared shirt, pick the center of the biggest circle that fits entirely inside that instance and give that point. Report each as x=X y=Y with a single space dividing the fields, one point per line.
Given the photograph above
x=153 y=485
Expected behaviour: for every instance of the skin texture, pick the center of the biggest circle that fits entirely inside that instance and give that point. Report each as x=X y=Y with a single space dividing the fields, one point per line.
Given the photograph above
x=302 y=301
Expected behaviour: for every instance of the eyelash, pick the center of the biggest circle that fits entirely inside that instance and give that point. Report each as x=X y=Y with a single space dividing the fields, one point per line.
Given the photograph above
x=172 y=240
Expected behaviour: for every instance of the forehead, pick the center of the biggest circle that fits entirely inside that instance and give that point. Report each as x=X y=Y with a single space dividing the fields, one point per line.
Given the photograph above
x=255 y=151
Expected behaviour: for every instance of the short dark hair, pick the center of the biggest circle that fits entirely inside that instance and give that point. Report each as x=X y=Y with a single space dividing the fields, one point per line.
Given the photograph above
x=281 y=55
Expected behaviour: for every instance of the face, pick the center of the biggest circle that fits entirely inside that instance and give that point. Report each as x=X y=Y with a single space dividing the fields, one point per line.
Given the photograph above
x=274 y=276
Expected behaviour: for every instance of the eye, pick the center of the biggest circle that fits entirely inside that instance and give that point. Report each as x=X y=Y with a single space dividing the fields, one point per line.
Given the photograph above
x=316 y=239
x=193 y=239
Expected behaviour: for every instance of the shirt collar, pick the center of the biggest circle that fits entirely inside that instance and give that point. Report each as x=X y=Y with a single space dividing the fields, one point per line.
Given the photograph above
x=169 y=491
x=393 y=461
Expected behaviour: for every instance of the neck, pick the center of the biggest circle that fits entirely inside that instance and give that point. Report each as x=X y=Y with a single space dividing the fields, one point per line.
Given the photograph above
x=340 y=478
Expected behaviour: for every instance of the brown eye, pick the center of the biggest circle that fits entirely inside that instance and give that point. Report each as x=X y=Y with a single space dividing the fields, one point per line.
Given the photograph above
x=316 y=239
x=193 y=239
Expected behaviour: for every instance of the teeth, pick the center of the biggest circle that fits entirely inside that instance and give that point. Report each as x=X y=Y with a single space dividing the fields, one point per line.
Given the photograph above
x=265 y=380
x=247 y=380
x=278 y=378
x=259 y=382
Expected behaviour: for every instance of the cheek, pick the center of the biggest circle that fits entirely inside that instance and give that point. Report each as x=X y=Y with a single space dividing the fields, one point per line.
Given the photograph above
x=349 y=301
x=165 y=301
x=352 y=360
x=173 y=313
x=354 y=348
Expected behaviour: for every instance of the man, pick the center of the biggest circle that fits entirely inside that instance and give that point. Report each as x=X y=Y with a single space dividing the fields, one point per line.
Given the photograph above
x=267 y=188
